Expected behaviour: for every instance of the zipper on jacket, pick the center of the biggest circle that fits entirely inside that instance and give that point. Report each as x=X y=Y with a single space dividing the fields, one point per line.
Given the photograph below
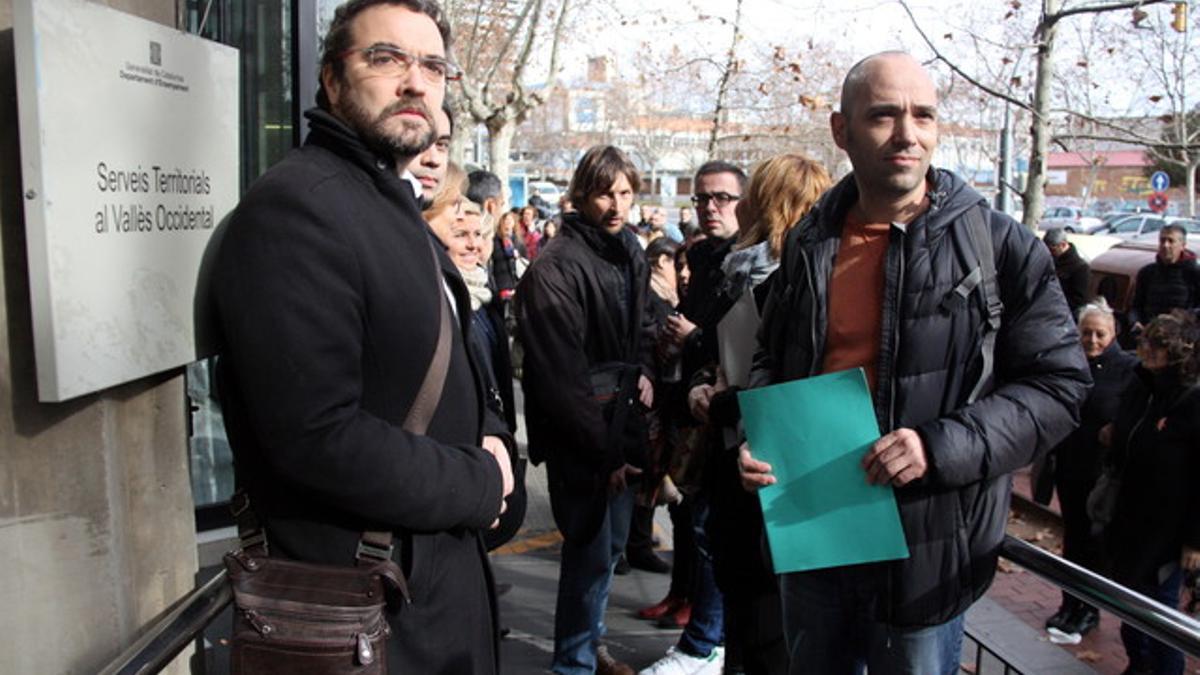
x=810 y=276
x=895 y=347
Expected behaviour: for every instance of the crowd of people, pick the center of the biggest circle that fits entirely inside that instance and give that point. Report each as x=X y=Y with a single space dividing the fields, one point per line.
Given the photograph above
x=1123 y=477
x=366 y=271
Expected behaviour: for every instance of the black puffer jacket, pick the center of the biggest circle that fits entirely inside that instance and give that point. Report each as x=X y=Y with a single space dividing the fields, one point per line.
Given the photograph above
x=582 y=303
x=954 y=517
x=1162 y=287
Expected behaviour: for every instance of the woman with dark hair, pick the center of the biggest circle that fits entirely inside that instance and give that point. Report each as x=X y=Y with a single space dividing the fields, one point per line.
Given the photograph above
x=1155 y=531
x=1078 y=458
x=508 y=255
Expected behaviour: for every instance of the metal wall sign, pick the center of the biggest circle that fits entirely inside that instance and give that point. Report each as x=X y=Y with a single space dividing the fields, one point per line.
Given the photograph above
x=129 y=159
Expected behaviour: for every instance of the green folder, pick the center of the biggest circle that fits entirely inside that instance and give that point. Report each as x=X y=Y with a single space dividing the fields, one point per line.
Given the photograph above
x=821 y=512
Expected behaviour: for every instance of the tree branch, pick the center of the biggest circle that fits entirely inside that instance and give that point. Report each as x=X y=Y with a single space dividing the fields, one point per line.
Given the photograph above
x=959 y=71
x=1096 y=9
x=1148 y=144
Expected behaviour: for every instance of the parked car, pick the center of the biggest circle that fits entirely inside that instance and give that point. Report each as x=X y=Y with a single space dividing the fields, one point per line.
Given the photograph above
x=1151 y=237
x=1071 y=219
x=1114 y=272
x=548 y=191
x=1143 y=226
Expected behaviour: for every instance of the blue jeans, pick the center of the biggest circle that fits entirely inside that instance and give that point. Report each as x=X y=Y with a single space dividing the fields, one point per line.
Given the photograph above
x=584 y=579
x=829 y=619
x=705 y=629
x=1145 y=653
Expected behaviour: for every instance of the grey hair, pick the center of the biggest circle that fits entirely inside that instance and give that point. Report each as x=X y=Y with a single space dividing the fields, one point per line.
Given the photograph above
x=1055 y=236
x=1098 y=306
x=1175 y=227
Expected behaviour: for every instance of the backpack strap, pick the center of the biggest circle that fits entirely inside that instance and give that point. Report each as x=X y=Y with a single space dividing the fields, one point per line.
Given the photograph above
x=981 y=260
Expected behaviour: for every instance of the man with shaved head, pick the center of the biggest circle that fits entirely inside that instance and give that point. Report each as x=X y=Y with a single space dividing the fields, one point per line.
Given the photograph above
x=954 y=313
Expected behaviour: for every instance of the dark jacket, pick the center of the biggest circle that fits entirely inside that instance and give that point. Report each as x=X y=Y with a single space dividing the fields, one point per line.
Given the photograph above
x=1080 y=457
x=1162 y=287
x=705 y=304
x=954 y=517
x=580 y=304
x=1073 y=273
x=328 y=300
x=1156 y=450
x=504 y=262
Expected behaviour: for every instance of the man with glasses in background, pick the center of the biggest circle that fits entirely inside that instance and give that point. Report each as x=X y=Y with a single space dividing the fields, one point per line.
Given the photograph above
x=716 y=190
x=331 y=295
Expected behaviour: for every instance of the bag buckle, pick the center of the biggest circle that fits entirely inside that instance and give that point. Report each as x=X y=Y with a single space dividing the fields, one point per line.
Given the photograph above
x=368 y=550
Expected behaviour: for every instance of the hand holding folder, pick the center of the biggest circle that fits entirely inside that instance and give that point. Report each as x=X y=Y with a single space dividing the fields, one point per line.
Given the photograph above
x=821 y=511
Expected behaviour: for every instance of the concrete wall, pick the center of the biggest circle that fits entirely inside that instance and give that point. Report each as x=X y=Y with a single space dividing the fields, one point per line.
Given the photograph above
x=96 y=526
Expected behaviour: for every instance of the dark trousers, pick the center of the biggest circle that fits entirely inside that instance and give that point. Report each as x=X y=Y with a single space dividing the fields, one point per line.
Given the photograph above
x=683 y=567
x=1147 y=655
x=754 y=636
x=641 y=532
x=1080 y=546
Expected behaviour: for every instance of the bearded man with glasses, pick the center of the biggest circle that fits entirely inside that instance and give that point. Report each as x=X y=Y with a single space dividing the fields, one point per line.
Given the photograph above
x=333 y=297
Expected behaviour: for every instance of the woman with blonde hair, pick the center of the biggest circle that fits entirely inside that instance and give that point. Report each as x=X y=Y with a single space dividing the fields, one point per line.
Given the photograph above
x=781 y=190
x=443 y=208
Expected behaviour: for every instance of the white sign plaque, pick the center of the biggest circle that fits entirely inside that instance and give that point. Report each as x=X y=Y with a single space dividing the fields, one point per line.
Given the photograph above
x=129 y=157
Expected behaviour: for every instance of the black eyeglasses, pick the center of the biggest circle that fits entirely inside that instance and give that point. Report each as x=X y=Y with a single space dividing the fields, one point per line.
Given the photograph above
x=389 y=61
x=721 y=198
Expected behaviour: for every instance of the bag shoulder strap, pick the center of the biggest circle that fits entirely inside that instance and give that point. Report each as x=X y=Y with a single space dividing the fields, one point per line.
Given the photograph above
x=376 y=545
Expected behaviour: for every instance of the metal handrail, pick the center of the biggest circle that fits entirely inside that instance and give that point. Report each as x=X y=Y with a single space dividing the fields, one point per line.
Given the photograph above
x=1166 y=624
x=166 y=637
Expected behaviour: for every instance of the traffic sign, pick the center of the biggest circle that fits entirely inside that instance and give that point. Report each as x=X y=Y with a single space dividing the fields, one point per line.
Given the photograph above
x=1160 y=181
x=1158 y=202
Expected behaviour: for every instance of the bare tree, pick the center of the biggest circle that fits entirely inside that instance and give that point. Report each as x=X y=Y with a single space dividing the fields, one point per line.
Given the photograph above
x=1040 y=106
x=500 y=42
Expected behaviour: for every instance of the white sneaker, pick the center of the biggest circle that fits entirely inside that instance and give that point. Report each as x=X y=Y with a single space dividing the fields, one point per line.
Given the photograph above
x=679 y=663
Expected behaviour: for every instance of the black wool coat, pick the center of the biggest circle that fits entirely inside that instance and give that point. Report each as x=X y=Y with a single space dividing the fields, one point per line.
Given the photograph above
x=1073 y=273
x=1080 y=457
x=328 y=297
x=1156 y=452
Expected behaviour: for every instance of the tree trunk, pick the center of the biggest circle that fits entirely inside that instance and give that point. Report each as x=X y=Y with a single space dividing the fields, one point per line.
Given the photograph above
x=500 y=138
x=723 y=86
x=1191 y=185
x=1035 y=184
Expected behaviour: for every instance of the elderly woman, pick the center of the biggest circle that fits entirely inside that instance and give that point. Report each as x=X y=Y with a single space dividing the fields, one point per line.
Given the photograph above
x=1155 y=529
x=1078 y=458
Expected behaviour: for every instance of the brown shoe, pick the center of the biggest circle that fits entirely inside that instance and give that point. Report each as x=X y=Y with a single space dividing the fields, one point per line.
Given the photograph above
x=607 y=665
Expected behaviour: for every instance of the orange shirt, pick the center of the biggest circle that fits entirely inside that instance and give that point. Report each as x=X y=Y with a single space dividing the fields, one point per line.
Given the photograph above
x=855 y=300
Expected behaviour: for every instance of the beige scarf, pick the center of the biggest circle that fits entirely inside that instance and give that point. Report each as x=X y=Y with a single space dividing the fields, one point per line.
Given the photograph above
x=477 y=286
